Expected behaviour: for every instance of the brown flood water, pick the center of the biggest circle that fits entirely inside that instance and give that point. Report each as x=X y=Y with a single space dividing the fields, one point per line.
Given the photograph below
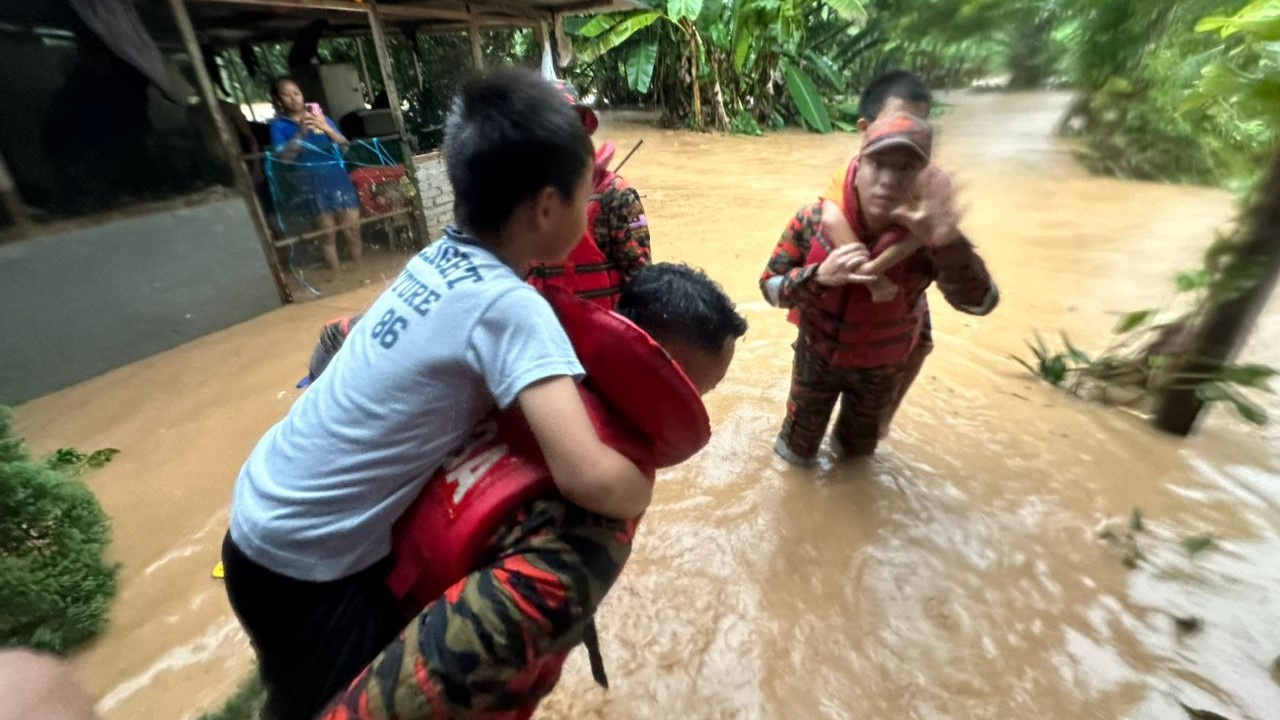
x=954 y=576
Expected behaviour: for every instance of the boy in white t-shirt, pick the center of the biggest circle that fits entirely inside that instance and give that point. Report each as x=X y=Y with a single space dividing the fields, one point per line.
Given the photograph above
x=458 y=333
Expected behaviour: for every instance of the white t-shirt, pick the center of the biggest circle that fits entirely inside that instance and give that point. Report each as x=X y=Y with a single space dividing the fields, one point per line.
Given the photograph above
x=457 y=333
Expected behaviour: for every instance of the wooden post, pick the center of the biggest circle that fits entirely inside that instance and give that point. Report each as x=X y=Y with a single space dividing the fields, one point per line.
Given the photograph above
x=473 y=32
x=388 y=71
x=242 y=82
x=364 y=68
x=244 y=183
x=12 y=201
x=561 y=46
x=393 y=98
x=1227 y=324
x=548 y=62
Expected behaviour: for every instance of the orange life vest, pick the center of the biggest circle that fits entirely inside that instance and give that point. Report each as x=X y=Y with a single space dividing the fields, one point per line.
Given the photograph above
x=858 y=332
x=588 y=272
x=641 y=404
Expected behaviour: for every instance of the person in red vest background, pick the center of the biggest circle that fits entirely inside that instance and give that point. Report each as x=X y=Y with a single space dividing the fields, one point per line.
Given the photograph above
x=851 y=348
x=615 y=245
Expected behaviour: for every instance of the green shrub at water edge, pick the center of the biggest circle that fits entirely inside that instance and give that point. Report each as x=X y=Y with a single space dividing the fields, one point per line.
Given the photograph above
x=245 y=704
x=56 y=584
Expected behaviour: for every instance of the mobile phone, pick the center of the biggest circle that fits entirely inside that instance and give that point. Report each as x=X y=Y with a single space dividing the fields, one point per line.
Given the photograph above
x=314 y=109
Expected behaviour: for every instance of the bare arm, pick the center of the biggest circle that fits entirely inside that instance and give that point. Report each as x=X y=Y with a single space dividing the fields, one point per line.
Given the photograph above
x=788 y=280
x=836 y=226
x=893 y=255
x=328 y=127
x=585 y=470
x=838 y=231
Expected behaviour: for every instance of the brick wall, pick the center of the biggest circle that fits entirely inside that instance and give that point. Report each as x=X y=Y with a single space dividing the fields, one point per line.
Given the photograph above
x=437 y=196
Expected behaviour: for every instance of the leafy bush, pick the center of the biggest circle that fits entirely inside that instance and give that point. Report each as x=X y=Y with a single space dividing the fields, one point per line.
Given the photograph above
x=1133 y=128
x=1174 y=95
x=56 y=585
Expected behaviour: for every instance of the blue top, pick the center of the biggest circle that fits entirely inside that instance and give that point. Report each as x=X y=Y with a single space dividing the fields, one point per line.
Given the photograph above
x=318 y=146
x=314 y=181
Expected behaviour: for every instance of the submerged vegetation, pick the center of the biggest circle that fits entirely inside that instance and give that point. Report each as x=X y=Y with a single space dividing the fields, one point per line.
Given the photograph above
x=1161 y=352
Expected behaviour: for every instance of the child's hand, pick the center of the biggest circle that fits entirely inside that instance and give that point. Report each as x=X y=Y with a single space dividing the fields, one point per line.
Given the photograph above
x=838 y=268
x=882 y=289
x=933 y=216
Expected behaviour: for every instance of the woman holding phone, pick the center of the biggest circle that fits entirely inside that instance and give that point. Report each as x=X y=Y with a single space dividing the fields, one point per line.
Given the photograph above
x=319 y=188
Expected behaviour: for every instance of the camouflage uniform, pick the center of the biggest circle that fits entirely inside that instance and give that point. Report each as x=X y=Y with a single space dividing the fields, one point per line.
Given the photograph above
x=621 y=231
x=493 y=644
x=868 y=397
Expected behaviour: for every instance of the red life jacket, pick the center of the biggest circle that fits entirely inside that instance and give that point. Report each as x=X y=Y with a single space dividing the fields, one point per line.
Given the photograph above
x=855 y=331
x=641 y=404
x=588 y=272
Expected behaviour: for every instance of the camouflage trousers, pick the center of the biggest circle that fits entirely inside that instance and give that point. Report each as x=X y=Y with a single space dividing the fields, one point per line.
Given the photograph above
x=492 y=646
x=868 y=397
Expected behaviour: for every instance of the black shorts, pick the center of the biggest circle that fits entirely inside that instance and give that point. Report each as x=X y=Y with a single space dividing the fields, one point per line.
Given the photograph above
x=312 y=638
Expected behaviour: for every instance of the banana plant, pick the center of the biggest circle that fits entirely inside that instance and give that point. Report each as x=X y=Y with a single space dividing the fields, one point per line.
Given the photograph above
x=740 y=49
x=607 y=32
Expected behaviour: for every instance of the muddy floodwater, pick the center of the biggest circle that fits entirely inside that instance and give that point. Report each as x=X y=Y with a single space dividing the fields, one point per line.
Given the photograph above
x=956 y=575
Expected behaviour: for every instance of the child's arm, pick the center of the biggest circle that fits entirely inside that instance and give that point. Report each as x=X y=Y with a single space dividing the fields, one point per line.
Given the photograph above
x=585 y=470
x=788 y=280
x=891 y=256
x=882 y=288
x=835 y=225
x=522 y=353
x=838 y=231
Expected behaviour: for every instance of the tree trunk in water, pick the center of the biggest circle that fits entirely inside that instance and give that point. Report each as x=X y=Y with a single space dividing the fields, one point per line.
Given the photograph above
x=1227 y=324
x=693 y=75
x=717 y=101
x=1078 y=115
x=1028 y=58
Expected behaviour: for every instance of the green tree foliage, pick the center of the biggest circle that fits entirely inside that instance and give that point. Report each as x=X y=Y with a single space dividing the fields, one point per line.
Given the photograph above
x=1137 y=63
x=731 y=61
x=1233 y=108
x=744 y=64
x=748 y=65
x=57 y=586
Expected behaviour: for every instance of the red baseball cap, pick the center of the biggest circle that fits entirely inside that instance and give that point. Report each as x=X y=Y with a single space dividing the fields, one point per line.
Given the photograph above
x=899 y=130
x=588 y=116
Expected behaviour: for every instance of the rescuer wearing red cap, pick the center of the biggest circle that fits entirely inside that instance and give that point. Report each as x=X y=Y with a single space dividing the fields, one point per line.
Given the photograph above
x=860 y=307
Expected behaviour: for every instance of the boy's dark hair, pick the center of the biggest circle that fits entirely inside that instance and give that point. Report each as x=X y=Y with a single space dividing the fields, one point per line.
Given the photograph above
x=509 y=135
x=895 y=83
x=677 y=302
